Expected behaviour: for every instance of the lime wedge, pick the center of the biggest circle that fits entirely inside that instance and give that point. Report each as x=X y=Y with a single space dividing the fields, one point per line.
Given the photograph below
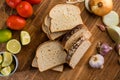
x=6 y=71
x=0 y=67
x=1 y=59
x=12 y=66
x=25 y=37
x=7 y=59
x=13 y=46
x=114 y=32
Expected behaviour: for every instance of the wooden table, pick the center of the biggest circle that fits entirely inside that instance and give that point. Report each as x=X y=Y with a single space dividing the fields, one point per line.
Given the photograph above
x=111 y=70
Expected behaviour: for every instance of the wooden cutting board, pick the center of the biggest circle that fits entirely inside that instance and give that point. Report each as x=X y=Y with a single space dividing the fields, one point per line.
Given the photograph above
x=83 y=71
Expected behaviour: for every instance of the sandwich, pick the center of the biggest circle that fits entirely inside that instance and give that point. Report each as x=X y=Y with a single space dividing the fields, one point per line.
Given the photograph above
x=73 y=35
x=77 y=51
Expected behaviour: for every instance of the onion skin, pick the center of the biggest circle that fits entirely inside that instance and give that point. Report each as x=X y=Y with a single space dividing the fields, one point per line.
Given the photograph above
x=101 y=7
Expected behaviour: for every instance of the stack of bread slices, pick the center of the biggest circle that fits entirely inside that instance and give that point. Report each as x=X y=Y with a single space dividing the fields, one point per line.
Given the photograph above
x=63 y=20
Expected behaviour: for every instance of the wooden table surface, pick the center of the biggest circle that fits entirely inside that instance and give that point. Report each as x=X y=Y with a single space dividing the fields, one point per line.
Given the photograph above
x=83 y=71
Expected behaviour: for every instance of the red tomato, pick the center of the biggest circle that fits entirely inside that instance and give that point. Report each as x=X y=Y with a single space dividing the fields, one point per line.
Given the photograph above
x=13 y=3
x=34 y=1
x=16 y=22
x=24 y=9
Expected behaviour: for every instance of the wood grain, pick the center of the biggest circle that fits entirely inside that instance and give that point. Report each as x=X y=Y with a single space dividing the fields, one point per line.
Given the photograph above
x=83 y=71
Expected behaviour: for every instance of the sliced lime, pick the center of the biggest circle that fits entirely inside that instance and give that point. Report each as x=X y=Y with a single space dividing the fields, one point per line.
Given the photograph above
x=7 y=59
x=6 y=71
x=12 y=66
x=1 y=59
x=13 y=46
x=0 y=67
x=25 y=37
x=114 y=32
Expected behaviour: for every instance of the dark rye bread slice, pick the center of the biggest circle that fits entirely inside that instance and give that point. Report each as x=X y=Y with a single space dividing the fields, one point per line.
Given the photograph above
x=46 y=29
x=50 y=54
x=64 y=17
x=58 y=68
x=73 y=35
x=77 y=51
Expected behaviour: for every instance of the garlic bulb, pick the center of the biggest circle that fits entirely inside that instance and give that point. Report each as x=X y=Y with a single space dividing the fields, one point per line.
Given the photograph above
x=96 y=61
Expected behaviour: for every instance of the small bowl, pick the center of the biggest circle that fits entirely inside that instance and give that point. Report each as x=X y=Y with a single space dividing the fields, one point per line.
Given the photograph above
x=16 y=64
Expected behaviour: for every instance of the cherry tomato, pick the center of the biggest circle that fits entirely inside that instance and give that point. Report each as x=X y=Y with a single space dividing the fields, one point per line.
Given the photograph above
x=15 y=22
x=13 y=3
x=24 y=9
x=34 y=1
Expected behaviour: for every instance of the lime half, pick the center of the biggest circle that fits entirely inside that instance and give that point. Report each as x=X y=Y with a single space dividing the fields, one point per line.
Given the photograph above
x=1 y=59
x=6 y=71
x=13 y=46
x=25 y=37
x=7 y=59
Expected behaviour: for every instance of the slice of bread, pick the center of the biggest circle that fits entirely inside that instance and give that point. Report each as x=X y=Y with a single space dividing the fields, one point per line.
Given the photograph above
x=34 y=62
x=72 y=36
x=50 y=54
x=64 y=17
x=57 y=68
x=78 y=52
x=46 y=29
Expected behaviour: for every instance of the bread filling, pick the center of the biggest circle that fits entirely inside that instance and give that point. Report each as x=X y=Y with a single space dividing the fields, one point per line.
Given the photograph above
x=68 y=35
x=72 y=50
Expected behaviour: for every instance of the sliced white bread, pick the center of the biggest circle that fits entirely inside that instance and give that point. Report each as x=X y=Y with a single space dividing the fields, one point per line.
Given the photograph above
x=64 y=17
x=72 y=36
x=57 y=68
x=77 y=52
x=50 y=54
x=46 y=29
x=34 y=62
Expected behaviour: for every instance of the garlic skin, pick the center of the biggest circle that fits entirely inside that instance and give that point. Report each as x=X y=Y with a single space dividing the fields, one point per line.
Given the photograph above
x=96 y=61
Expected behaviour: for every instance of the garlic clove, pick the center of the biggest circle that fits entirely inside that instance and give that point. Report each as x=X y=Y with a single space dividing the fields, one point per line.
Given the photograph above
x=96 y=61
x=101 y=27
x=104 y=48
x=117 y=48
